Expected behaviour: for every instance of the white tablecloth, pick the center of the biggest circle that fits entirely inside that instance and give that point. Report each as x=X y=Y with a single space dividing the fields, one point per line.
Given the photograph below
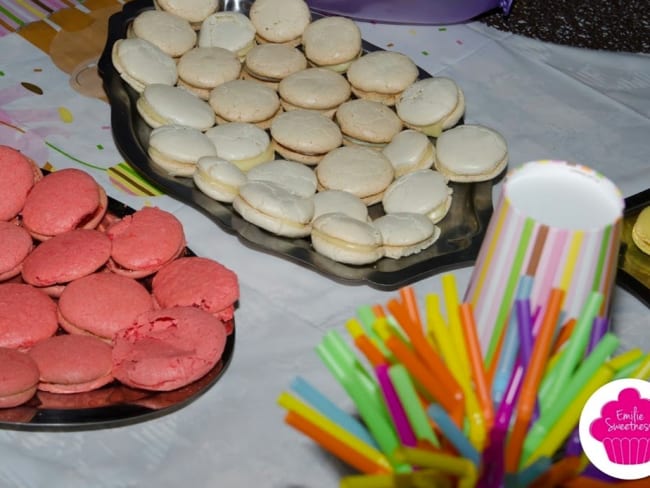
x=548 y=101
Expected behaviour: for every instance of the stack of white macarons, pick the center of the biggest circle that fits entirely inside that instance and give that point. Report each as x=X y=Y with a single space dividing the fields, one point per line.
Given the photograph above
x=291 y=121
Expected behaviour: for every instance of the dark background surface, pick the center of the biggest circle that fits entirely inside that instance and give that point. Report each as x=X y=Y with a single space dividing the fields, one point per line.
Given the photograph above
x=613 y=25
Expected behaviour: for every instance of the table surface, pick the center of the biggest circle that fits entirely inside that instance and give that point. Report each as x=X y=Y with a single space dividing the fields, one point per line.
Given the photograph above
x=550 y=102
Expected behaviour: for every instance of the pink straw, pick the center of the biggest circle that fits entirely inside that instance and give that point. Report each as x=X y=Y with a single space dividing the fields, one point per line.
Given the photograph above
x=395 y=408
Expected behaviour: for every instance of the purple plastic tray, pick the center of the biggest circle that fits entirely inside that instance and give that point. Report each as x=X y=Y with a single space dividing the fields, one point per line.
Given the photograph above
x=433 y=12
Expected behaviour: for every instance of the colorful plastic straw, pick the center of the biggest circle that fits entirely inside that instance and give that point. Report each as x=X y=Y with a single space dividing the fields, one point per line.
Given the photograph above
x=395 y=408
x=532 y=378
x=455 y=466
x=574 y=349
x=453 y=434
x=325 y=406
x=334 y=431
x=450 y=295
x=423 y=477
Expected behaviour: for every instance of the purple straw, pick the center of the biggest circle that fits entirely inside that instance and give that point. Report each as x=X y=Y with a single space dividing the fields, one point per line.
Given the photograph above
x=395 y=408
x=598 y=330
x=525 y=328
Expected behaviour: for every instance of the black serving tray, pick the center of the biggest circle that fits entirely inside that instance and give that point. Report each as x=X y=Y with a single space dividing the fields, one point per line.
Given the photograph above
x=462 y=230
x=112 y=405
x=633 y=265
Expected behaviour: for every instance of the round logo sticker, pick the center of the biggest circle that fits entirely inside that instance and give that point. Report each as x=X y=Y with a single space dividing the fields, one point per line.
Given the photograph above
x=615 y=429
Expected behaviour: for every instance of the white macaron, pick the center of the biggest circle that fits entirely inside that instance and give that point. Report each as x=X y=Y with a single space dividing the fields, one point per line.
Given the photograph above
x=304 y=136
x=245 y=101
x=229 y=30
x=404 y=234
x=171 y=33
x=141 y=63
x=280 y=21
x=317 y=89
x=160 y=104
x=292 y=176
x=332 y=42
x=367 y=123
x=382 y=76
x=471 y=153
x=346 y=239
x=194 y=11
x=339 y=201
x=243 y=144
x=176 y=148
x=409 y=151
x=202 y=69
x=219 y=179
x=431 y=105
x=271 y=63
x=424 y=191
x=361 y=171
x=274 y=209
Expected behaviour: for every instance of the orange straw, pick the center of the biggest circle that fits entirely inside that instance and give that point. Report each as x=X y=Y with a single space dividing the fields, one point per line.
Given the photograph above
x=444 y=390
x=333 y=445
x=476 y=362
x=559 y=473
x=409 y=302
x=532 y=379
x=378 y=310
x=563 y=336
x=492 y=367
x=369 y=350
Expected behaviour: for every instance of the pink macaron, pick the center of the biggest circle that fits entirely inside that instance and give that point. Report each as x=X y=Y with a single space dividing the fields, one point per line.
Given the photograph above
x=18 y=174
x=27 y=316
x=100 y=304
x=66 y=257
x=197 y=282
x=144 y=242
x=169 y=348
x=72 y=363
x=16 y=246
x=18 y=377
x=62 y=201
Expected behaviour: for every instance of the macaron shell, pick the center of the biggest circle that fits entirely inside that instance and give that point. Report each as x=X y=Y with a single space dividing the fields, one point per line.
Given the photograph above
x=294 y=177
x=27 y=316
x=314 y=88
x=197 y=282
x=331 y=41
x=384 y=72
x=280 y=20
x=16 y=246
x=306 y=132
x=66 y=257
x=192 y=10
x=424 y=191
x=102 y=303
x=208 y=67
x=470 y=153
x=345 y=239
x=177 y=148
x=16 y=181
x=274 y=62
x=141 y=63
x=237 y=141
x=428 y=101
x=361 y=171
x=245 y=101
x=408 y=151
x=168 y=105
x=339 y=201
x=62 y=201
x=218 y=178
x=641 y=231
x=169 y=348
x=145 y=241
x=71 y=363
x=229 y=30
x=171 y=33
x=404 y=234
x=274 y=209
x=18 y=377
x=368 y=121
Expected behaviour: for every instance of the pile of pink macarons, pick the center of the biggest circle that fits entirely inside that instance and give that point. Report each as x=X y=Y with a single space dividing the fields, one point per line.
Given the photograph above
x=88 y=298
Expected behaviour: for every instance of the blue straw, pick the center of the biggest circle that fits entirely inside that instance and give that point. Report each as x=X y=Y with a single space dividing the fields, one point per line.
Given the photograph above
x=325 y=406
x=453 y=433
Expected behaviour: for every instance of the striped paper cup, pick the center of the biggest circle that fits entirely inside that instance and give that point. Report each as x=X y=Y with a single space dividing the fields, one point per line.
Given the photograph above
x=555 y=221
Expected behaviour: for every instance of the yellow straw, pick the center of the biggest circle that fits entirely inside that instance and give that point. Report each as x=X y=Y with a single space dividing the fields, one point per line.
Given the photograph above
x=643 y=371
x=424 y=478
x=622 y=360
x=455 y=466
x=293 y=404
x=453 y=319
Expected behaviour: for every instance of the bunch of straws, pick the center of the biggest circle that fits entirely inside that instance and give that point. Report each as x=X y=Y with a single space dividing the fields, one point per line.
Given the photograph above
x=434 y=413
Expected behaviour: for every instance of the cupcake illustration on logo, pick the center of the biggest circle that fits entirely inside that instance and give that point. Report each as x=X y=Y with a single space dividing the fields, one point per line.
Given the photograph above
x=624 y=428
